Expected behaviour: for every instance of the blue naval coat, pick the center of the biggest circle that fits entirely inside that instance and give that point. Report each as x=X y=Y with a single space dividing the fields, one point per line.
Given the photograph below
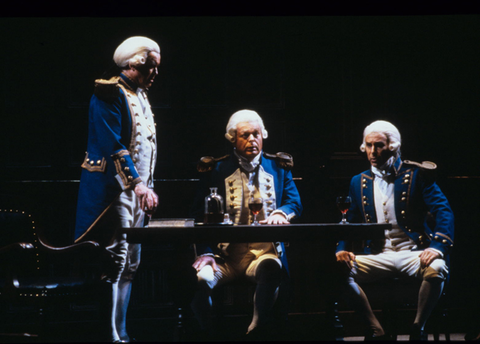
x=287 y=198
x=421 y=208
x=108 y=167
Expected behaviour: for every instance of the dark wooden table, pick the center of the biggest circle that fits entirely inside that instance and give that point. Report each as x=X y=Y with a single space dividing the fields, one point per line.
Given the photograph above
x=320 y=237
x=322 y=232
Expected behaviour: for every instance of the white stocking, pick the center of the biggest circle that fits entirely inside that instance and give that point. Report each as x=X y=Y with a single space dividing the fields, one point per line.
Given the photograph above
x=428 y=295
x=360 y=302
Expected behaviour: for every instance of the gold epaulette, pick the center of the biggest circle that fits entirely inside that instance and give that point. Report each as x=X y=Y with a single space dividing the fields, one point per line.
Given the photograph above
x=427 y=165
x=107 y=89
x=284 y=159
x=208 y=163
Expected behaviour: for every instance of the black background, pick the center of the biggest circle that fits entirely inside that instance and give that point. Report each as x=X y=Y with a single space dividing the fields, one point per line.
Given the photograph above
x=317 y=81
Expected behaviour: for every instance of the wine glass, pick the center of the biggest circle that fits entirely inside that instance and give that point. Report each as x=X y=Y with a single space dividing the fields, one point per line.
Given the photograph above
x=343 y=203
x=255 y=204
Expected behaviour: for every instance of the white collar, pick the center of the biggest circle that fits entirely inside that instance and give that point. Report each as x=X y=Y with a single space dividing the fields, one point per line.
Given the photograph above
x=380 y=173
x=385 y=170
x=248 y=166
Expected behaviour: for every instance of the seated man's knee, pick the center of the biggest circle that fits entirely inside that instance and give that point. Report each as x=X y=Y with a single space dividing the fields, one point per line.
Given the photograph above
x=205 y=276
x=268 y=270
x=431 y=273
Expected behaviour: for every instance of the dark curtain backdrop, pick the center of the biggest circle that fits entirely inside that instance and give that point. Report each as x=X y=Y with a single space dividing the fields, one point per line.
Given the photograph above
x=316 y=81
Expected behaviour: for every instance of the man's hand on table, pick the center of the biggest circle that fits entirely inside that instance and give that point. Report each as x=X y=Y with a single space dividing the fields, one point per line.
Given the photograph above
x=275 y=219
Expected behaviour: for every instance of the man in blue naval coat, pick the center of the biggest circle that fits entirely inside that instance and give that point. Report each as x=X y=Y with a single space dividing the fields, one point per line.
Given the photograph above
x=404 y=194
x=247 y=172
x=116 y=187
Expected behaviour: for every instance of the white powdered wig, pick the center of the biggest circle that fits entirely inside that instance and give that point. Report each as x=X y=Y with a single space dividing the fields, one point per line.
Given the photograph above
x=387 y=129
x=243 y=116
x=134 y=50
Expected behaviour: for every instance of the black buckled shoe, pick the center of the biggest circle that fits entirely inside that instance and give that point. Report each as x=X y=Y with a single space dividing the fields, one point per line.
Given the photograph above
x=258 y=334
x=418 y=334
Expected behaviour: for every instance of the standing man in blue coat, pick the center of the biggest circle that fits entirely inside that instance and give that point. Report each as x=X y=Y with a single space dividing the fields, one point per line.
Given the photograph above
x=247 y=171
x=116 y=187
x=404 y=194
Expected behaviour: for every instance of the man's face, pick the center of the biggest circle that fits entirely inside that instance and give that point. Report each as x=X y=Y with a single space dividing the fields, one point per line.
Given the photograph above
x=376 y=147
x=144 y=75
x=249 y=141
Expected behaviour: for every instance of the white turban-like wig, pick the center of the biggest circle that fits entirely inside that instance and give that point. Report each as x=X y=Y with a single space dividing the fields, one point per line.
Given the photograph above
x=387 y=129
x=134 y=50
x=243 y=116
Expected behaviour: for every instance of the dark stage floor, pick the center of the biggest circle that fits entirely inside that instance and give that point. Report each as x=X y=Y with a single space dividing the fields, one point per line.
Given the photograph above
x=300 y=327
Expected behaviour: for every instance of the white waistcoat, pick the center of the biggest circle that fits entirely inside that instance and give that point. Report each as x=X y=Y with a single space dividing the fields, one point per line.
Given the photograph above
x=145 y=151
x=237 y=195
x=236 y=202
x=395 y=239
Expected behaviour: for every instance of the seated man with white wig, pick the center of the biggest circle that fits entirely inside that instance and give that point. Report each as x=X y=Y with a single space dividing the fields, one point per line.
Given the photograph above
x=247 y=171
x=404 y=194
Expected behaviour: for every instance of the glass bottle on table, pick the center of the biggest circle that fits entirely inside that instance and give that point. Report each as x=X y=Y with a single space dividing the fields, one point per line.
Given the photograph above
x=213 y=208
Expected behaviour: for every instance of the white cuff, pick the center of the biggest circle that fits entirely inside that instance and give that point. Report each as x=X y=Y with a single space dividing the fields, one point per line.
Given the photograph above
x=207 y=255
x=279 y=211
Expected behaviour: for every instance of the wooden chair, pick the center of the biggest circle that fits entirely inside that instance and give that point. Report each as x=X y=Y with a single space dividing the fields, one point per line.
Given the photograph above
x=38 y=281
x=233 y=303
x=399 y=294
x=395 y=297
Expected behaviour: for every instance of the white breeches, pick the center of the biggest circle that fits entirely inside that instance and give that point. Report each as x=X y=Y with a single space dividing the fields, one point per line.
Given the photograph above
x=126 y=212
x=372 y=267
x=228 y=272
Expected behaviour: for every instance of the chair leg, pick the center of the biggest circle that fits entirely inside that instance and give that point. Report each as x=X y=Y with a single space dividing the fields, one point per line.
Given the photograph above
x=336 y=326
x=390 y=317
x=441 y=323
x=441 y=326
x=445 y=324
x=179 y=330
